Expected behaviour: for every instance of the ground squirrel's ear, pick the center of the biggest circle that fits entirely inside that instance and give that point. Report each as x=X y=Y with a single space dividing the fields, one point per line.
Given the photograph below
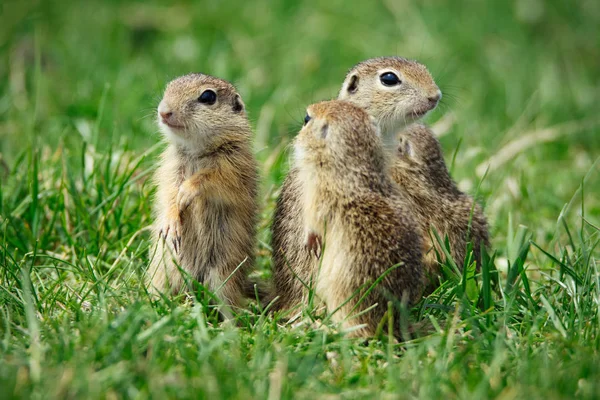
x=238 y=104
x=352 y=84
x=324 y=131
x=405 y=148
x=408 y=148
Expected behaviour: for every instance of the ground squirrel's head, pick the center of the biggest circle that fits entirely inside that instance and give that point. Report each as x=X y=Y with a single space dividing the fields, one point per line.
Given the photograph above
x=196 y=107
x=419 y=156
x=339 y=137
x=394 y=90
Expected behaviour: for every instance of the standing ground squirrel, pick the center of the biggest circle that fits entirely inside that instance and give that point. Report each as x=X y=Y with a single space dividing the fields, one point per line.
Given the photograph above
x=349 y=200
x=206 y=202
x=420 y=170
x=395 y=92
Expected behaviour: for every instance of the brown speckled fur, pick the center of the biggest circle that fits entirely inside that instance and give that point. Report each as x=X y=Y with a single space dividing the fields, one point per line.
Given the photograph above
x=206 y=202
x=392 y=109
x=420 y=170
x=345 y=187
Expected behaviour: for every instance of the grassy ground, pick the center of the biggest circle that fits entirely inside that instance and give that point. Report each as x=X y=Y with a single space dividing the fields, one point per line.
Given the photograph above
x=79 y=85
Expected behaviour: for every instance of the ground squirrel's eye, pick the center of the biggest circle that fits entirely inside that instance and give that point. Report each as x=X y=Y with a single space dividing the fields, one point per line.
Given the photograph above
x=306 y=119
x=208 y=97
x=390 y=79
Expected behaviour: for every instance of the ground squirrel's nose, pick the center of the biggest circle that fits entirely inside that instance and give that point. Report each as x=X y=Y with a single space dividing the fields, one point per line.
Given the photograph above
x=433 y=100
x=165 y=115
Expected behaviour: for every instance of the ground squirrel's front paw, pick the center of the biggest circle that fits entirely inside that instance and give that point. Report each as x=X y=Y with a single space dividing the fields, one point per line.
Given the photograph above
x=185 y=196
x=171 y=233
x=313 y=244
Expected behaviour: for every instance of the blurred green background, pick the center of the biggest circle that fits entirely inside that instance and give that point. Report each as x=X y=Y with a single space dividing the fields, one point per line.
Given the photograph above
x=521 y=80
x=79 y=85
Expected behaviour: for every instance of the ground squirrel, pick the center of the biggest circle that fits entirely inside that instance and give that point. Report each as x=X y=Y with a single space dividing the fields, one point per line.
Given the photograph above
x=395 y=92
x=420 y=170
x=206 y=202
x=349 y=200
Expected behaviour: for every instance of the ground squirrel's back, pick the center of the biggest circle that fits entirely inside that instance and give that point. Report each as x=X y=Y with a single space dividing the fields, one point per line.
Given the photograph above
x=420 y=169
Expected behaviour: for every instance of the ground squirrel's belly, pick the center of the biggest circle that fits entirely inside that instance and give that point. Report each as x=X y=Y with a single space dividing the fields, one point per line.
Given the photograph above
x=214 y=234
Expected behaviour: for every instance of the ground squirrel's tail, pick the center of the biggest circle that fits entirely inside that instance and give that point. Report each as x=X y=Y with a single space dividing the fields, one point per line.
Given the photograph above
x=260 y=291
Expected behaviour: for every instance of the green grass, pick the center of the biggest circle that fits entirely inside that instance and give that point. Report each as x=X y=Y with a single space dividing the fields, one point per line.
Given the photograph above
x=79 y=85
